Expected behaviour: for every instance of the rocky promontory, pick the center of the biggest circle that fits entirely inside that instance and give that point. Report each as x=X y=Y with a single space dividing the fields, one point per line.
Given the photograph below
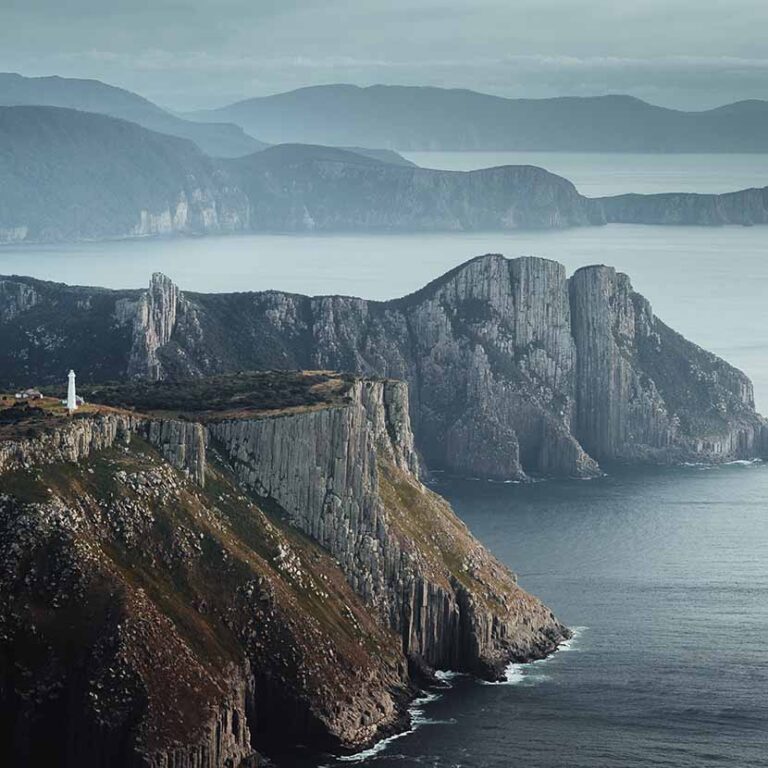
x=513 y=368
x=256 y=567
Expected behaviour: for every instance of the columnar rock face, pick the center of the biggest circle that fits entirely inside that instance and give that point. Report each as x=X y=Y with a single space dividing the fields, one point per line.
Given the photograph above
x=336 y=473
x=150 y=618
x=644 y=392
x=512 y=368
x=152 y=317
x=181 y=443
x=71 y=441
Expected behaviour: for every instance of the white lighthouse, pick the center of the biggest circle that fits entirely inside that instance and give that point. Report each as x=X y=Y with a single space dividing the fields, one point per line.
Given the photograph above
x=71 y=394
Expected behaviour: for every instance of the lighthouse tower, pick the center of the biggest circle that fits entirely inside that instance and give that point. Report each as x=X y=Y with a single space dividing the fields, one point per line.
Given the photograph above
x=71 y=395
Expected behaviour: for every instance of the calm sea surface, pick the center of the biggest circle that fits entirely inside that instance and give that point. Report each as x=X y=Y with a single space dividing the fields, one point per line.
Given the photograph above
x=664 y=572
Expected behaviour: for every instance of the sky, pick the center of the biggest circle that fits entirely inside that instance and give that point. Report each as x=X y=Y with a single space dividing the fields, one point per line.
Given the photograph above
x=689 y=54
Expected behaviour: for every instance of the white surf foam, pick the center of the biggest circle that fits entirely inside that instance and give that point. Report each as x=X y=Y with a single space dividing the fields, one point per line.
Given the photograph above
x=514 y=674
x=418 y=718
x=517 y=673
x=446 y=676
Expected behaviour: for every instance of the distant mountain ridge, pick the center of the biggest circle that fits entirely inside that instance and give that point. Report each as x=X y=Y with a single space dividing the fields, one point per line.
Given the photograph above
x=216 y=139
x=427 y=118
x=67 y=175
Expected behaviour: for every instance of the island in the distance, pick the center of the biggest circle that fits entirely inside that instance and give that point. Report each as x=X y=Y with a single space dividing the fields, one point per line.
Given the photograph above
x=193 y=572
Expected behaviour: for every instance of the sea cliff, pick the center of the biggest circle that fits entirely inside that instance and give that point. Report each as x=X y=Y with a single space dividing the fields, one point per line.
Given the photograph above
x=513 y=368
x=267 y=571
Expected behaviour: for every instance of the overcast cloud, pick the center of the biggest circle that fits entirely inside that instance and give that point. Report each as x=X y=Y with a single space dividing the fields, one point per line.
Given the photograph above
x=689 y=53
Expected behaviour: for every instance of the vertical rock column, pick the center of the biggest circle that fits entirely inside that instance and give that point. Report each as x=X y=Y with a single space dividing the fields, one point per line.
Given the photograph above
x=619 y=411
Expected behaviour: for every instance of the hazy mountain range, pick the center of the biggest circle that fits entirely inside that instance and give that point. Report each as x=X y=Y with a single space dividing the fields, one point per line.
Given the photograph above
x=71 y=175
x=82 y=160
x=415 y=118
x=217 y=139
x=420 y=118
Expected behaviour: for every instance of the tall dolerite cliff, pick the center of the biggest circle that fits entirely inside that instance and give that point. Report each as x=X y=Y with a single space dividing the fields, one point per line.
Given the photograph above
x=512 y=368
x=643 y=391
x=185 y=587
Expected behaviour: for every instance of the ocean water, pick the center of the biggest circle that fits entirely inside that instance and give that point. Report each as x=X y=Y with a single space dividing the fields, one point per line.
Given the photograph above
x=663 y=574
x=615 y=173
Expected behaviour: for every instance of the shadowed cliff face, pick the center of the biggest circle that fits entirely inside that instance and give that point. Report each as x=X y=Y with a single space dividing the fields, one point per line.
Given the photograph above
x=178 y=587
x=512 y=368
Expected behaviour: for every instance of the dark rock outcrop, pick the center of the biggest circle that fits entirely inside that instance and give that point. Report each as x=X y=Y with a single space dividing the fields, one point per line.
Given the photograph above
x=150 y=618
x=15 y=298
x=513 y=369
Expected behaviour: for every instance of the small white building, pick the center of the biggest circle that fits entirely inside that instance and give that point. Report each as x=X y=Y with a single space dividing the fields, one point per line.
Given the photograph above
x=29 y=394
